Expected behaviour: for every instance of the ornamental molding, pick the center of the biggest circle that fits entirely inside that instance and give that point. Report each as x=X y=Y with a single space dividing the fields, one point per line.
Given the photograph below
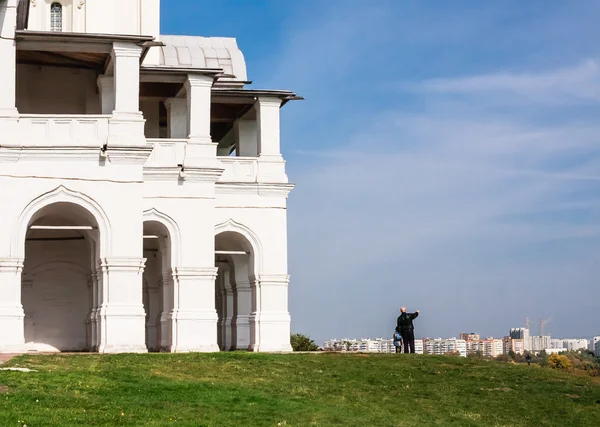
x=11 y=264
x=259 y=189
x=195 y=272
x=115 y=154
x=118 y=264
x=271 y=280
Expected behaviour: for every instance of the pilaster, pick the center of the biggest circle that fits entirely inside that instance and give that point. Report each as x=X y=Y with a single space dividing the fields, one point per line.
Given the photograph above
x=177 y=117
x=12 y=332
x=8 y=70
x=127 y=121
x=271 y=166
x=121 y=314
x=201 y=152
x=106 y=87
x=270 y=322
x=194 y=315
x=243 y=300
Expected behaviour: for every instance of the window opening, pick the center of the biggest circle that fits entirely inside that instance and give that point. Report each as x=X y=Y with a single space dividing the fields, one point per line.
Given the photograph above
x=56 y=18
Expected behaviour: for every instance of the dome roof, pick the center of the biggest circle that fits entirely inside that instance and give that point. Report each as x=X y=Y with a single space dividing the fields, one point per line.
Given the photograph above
x=204 y=52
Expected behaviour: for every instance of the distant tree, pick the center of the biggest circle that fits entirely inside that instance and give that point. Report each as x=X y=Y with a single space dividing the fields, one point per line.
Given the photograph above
x=347 y=345
x=303 y=343
x=512 y=354
x=559 y=361
x=504 y=358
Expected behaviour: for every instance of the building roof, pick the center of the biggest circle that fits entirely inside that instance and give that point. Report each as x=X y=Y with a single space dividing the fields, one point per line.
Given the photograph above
x=204 y=52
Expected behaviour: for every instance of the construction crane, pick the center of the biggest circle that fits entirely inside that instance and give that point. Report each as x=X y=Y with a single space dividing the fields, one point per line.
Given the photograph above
x=542 y=324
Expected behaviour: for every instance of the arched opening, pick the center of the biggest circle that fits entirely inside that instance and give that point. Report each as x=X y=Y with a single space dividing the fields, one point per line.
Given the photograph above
x=59 y=279
x=56 y=17
x=158 y=287
x=235 y=291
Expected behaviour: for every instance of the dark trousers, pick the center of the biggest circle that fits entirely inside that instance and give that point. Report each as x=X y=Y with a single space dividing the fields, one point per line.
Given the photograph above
x=408 y=338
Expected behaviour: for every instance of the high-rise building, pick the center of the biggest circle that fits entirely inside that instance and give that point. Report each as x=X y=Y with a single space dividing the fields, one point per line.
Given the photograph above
x=469 y=336
x=540 y=343
x=444 y=346
x=523 y=334
x=593 y=343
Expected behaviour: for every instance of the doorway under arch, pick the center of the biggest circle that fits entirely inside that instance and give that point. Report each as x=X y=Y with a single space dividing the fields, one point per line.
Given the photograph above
x=59 y=287
x=158 y=292
x=235 y=291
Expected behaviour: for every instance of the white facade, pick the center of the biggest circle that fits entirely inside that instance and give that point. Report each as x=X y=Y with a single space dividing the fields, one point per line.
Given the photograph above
x=489 y=347
x=142 y=207
x=593 y=342
x=441 y=346
x=570 y=344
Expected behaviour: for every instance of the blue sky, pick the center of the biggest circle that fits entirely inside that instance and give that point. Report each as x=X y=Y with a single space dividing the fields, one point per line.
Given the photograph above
x=447 y=158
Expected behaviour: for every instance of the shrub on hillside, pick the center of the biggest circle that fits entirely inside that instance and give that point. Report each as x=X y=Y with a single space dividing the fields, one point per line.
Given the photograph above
x=559 y=361
x=303 y=343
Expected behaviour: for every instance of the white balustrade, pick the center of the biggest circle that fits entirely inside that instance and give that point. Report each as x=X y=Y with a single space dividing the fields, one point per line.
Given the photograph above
x=238 y=169
x=64 y=130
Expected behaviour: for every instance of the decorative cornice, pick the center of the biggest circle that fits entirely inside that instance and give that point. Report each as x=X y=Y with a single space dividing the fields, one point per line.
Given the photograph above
x=116 y=154
x=195 y=272
x=200 y=174
x=11 y=264
x=261 y=189
x=123 y=264
x=271 y=280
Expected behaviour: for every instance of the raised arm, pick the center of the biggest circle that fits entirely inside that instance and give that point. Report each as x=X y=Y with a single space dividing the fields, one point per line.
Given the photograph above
x=414 y=315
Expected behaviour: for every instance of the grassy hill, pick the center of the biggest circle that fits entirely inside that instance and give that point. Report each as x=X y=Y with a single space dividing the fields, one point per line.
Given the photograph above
x=241 y=389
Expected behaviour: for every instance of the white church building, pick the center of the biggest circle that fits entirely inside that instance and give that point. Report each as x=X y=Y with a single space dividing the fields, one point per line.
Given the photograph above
x=142 y=187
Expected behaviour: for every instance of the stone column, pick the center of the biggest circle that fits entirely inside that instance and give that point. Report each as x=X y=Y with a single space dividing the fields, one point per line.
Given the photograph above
x=177 y=118
x=8 y=70
x=127 y=122
x=106 y=87
x=121 y=312
x=194 y=314
x=270 y=320
x=152 y=330
x=93 y=316
x=246 y=134
x=229 y=323
x=200 y=150
x=166 y=320
x=243 y=299
x=271 y=167
x=12 y=317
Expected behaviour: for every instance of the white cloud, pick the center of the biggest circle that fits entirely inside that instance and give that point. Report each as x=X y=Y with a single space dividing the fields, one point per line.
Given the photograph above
x=481 y=212
x=569 y=84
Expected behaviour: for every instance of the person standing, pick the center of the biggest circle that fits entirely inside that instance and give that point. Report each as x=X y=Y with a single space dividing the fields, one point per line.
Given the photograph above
x=404 y=325
x=398 y=341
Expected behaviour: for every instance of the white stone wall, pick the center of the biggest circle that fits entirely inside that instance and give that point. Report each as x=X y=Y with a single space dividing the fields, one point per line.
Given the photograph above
x=55 y=90
x=121 y=292
x=56 y=295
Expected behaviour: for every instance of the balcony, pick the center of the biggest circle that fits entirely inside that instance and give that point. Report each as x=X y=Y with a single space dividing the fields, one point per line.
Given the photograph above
x=42 y=130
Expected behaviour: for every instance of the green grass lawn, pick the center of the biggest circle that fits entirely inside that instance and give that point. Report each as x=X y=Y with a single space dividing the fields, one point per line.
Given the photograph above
x=243 y=389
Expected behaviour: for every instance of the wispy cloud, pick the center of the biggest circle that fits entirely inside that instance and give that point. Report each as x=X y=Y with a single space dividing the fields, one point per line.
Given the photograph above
x=449 y=194
x=571 y=84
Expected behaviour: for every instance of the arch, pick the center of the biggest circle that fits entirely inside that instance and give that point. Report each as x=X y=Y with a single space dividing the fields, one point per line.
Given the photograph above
x=60 y=194
x=232 y=226
x=56 y=17
x=172 y=228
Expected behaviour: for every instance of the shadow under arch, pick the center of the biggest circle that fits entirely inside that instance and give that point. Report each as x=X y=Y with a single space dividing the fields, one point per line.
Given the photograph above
x=61 y=242
x=61 y=194
x=161 y=243
x=238 y=257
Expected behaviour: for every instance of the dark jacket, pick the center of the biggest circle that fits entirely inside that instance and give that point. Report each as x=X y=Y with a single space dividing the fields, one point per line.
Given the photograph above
x=405 y=322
